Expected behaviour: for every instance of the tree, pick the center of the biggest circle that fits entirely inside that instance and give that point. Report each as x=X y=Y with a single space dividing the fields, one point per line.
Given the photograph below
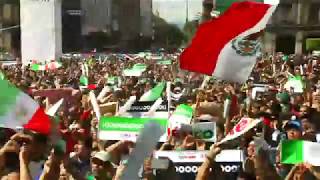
x=167 y=35
x=189 y=30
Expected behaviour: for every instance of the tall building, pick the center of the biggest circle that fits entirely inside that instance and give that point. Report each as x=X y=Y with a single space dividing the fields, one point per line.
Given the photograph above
x=146 y=18
x=292 y=26
x=131 y=20
x=126 y=20
x=96 y=16
x=9 y=16
x=71 y=25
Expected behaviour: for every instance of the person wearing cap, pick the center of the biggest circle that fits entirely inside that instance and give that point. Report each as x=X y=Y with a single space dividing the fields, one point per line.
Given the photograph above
x=101 y=166
x=293 y=129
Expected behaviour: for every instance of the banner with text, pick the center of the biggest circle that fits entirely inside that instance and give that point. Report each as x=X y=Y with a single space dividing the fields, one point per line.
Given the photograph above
x=187 y=162
x=140 y=109
x=124 y=128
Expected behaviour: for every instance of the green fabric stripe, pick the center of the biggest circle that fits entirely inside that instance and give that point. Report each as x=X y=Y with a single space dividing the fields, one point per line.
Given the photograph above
x=1 y=76
x=139 y=66
x=292 y=152
x=165 y=62
x=184 y=110
x=223 y=5
x=112 y=80
x=35 y=67
x=8 y=97
x=127 y=124
x=155 y=93
x=84 y=80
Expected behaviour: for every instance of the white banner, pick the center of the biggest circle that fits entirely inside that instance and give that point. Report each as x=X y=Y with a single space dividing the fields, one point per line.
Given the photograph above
x=203 y=130
x=243 y=126
x=41 y=28
x=199 y=156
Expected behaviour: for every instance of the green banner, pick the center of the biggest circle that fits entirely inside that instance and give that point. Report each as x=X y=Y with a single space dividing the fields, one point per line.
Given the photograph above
x=124 y=128
x=112 y=80
x=136 y=70
x=165 y=62
x=139 y=66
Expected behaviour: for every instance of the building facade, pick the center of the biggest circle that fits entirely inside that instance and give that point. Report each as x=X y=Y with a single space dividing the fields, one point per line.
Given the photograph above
x=294 y=22
x=71 y=25
x=9 y=17
x=96 y=16
x=131 y=20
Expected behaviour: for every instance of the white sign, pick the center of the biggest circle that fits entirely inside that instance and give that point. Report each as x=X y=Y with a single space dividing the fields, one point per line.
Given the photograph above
x=243 y=126
x=203 y=130
x=199 y=156
x=41 y=29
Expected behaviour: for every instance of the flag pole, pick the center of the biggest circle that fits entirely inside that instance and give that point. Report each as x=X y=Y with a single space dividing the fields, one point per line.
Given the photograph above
x=168 y=92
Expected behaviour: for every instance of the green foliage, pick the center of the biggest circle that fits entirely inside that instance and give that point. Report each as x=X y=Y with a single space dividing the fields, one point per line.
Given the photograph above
x=189 y=30
x=313 y=44
x=167 y=35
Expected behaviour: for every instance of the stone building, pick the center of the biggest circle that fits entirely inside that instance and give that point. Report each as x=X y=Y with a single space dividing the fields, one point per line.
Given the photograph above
x=9 y=19
x=292 y=25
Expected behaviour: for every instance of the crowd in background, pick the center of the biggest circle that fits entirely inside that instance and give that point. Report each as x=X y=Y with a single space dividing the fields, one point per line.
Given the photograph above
x=290 y=115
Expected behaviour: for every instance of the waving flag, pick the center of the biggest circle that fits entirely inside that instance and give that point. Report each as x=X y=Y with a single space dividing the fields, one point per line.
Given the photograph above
x=296 y=83
x=1 y=76
x=84 y=80
x=182 y=115
x=17 y=109
x=243 y=126
x=298 y=151
x=225 y=47
x=136 y=70
x=49 y=66
x=154 y=93
x=37 y=67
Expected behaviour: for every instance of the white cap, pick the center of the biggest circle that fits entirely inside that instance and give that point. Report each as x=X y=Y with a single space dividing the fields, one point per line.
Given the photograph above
x=103 y=156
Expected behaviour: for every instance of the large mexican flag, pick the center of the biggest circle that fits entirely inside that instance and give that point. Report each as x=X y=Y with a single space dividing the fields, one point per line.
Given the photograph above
x=17 y=109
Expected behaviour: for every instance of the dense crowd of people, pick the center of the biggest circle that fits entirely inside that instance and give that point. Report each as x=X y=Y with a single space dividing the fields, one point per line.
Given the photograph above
x=287 y=115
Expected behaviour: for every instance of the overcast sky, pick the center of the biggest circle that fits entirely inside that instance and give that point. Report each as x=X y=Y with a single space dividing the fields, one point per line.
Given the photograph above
x=174 y=11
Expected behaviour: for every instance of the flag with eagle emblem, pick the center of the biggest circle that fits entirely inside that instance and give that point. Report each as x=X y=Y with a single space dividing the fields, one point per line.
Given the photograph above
x=227 y=47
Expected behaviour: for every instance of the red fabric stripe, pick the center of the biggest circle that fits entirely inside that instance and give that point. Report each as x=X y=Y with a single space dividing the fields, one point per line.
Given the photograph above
x=39 y=122
x=267 y=122
x=234 y=110
x=92 y=86
x=211 y=37
x=85 y=115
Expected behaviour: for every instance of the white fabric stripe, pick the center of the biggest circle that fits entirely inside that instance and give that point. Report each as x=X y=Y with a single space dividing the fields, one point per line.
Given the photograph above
x=311 y=153
x=146 y=96
x=19 y=113
x=199 y=156
x=124 y=135
x=234 y=67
